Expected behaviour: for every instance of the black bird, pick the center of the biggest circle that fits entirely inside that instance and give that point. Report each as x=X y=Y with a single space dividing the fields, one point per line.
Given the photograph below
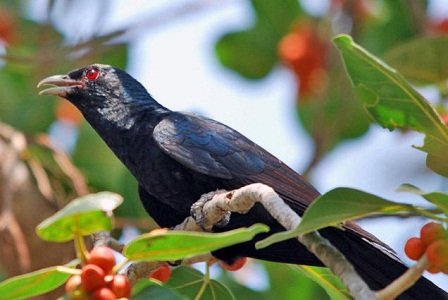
x=176 y=157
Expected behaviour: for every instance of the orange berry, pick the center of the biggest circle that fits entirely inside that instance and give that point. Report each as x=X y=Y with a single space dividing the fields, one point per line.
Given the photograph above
x=437 y=253
x=236 y=265
x=431 y=232
x=162 y=273
x=103 y=257
x=103 y=293
x=414 y=248
x=120 y=286
x=92 y=277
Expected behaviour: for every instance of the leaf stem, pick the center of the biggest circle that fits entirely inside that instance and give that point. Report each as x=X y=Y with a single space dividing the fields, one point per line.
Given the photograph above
x=205 y=283
x=80 y=246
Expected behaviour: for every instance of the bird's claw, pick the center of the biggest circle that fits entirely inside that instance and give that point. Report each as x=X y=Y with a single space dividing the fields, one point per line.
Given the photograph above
x=197 y=213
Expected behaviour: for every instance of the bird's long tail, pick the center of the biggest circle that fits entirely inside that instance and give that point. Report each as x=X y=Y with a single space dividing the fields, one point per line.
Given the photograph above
x=377 y=267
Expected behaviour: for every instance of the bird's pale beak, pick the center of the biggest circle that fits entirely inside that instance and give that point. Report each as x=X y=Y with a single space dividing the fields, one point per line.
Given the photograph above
x=61 y=85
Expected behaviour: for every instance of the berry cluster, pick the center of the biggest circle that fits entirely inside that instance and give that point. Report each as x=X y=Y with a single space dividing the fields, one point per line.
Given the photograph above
x=97 y=281
x=433 y=242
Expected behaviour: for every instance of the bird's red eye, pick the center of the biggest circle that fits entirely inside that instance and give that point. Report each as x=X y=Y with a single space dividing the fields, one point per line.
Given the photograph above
x=92 y=74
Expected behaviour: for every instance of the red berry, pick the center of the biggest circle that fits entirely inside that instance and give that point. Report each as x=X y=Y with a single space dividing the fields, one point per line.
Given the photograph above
x=103 y=257
x=414 y=248
x=162 y=273
x=431 y=232
x=437 y=254
x=120 y=286
x=236 y=265
x=103 y=293
x=92 y=277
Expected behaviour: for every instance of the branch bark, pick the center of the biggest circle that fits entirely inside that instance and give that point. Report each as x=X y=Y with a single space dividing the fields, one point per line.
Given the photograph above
x=243 y=199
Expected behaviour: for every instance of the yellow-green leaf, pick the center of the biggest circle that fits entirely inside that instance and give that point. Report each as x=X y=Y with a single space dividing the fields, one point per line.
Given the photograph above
x=35 y=283
x=173 y=245
x=393 y=102
x=88 y=214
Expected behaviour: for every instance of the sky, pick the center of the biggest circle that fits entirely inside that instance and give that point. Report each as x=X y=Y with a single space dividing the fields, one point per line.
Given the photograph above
x=174 y=59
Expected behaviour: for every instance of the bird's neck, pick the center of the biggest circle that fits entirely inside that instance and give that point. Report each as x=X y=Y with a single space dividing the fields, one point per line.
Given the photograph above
x=119 y=124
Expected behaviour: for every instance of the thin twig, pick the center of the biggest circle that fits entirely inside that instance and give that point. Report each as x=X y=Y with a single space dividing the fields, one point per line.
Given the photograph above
x=405 y=281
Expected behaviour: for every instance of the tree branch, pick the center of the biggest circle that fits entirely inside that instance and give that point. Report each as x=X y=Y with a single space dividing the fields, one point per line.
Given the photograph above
x=243 y=199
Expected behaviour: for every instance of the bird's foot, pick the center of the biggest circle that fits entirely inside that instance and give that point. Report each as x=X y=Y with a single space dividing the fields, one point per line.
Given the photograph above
x=197 y=212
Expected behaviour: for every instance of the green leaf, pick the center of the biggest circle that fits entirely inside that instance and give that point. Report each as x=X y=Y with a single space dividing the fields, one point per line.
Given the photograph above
x=34 y=283
x=252 y=52
x=432 y=67
x=88 y=214
x=147 y=289
x=394 y=23
x=437 y=198
x=298 y=285
x=195 y=285
x=173 y=245
x=327 y=280
x=335 y=207
x=393 y=102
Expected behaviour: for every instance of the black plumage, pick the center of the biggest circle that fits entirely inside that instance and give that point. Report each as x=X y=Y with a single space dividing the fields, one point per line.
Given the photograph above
x=176 y=157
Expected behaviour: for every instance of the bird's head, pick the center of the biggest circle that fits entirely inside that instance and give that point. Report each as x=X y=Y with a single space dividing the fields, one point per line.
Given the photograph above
x=94 y=86
x=101 y=92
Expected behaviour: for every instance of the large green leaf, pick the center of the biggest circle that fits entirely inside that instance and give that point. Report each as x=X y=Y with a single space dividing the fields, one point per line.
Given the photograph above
x=432 y=67
x=173 y=245
x=88 y=214
x=195 y=285
x=393 y=102
x=327 y=280
x=34 y=283
x=335 y=207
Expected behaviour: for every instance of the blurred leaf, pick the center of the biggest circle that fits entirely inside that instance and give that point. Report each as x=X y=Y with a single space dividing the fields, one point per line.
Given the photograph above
x=147 y=289
x=422 y=60
x=396 y=22
x=34 y=283
x=437 y=198
x=335 y=207
x=253 y=52
x=193 y=284
x=392 y=101
x=173 y=245
x=333 y=115
x=246 y=53
x=297 y=286
x=327 y=280
x=87 y=214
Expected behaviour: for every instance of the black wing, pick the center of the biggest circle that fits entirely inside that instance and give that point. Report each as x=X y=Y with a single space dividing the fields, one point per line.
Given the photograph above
x=214 y=149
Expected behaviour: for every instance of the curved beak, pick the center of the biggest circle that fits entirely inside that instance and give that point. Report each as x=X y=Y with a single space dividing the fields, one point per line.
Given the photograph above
x=61 y=85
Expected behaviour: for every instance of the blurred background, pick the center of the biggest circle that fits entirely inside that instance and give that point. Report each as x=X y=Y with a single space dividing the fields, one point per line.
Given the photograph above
x=264 y=67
